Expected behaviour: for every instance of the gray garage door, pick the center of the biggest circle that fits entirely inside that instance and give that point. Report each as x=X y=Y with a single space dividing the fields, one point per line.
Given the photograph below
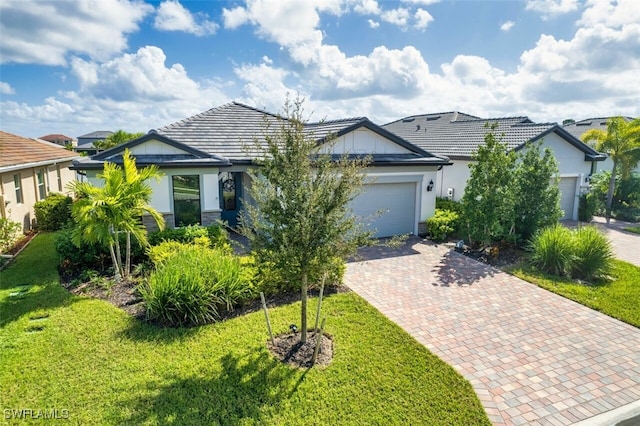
x=396 y=200
x=567 y=186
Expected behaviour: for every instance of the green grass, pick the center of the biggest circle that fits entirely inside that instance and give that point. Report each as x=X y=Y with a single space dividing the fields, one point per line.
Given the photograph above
x=619 y=298
x=634 y=229
x=104 y=367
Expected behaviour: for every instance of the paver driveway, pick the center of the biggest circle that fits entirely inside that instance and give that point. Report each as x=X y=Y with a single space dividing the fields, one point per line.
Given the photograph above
x=533 y=357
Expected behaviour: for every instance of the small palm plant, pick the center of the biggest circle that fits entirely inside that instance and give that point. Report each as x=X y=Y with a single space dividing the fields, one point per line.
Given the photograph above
x=102 y=213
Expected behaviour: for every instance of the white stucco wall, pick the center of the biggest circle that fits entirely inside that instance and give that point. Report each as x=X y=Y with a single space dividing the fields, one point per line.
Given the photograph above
x=364 y=141
x=153 y=147
x=454 y=176
x=570 y=159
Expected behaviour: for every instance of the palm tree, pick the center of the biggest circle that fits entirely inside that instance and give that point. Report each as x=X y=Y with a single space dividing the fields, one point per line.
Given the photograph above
x=101 y=213
x=117 y=138
x=621 y=142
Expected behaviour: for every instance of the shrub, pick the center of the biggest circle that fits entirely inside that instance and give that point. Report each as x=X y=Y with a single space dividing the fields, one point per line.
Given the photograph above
x=593 y=254
x=442 y=224
x=217 y=235
x=552 y=249
x=195 y=285
x=73 y=259
x=9 y=233
x=53 y=213
x=447 y=204
x=158 y=254
x=587 y=206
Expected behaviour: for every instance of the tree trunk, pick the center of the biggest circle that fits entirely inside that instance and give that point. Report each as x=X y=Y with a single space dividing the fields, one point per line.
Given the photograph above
x=127 y=265
x=116 y=268
x=303 y=309
x=118 y=252
x=612 y=187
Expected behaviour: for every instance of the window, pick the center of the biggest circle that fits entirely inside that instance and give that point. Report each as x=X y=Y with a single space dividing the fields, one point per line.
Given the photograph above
x=186 y=200
x=17 y=183
x=42 y=190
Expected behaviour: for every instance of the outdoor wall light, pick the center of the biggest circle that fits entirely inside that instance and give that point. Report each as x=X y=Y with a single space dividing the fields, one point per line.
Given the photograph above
x=430 y=186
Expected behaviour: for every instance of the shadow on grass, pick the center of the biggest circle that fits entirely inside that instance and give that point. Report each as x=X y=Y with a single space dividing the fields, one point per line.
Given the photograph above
x=457 y=269
x=22 y=300
x=246 y=388
x=141 y=330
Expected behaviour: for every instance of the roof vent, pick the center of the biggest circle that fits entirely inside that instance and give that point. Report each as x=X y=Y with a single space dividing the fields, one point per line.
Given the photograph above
x=408 y=120
x=417 y=127
x=584 y=123
x=603 y=123
x=433 y=118
x=455 y=116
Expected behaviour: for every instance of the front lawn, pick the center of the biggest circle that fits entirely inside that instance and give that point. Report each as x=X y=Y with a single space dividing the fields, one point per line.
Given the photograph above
x=66 y=352
x=634 y=229
x=619 y=298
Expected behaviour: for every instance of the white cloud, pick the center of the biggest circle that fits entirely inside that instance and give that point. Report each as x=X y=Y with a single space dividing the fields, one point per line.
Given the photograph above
x=422 y=2
x=367 y=7
x=610 y=13
x=172 y=16
x=506 y=27
x=423 y=19
x=6 y=89
x=398 y=17
x=46 y=32
x=550 y=8
x=373 y=24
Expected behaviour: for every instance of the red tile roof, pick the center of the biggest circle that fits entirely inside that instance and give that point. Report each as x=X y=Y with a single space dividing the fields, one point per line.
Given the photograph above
x=56 y=137
x=16 y=150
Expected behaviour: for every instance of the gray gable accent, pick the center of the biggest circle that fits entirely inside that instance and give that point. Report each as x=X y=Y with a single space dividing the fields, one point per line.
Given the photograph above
x=459 y=135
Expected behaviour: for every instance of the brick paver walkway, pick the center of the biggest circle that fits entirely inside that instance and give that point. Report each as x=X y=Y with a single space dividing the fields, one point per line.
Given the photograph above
x=533 y=357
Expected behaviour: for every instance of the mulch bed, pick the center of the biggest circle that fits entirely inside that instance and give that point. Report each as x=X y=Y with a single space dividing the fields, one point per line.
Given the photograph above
x=498 y=256
x=288 y=349
x=122 y=295
x=23 y=241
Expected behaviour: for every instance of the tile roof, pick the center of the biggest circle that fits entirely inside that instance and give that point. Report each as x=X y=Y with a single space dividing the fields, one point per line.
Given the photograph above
x=97 y=134
x=16 y=150
x=578 y=128
x=457 y=134
x=231 y=131
x=56 y=137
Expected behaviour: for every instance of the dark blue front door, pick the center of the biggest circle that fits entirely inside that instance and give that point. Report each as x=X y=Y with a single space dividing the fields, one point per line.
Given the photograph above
x=230 y=194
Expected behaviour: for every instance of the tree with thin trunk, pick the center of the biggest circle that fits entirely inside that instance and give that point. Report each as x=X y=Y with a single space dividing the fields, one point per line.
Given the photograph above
x=621 y=142
x=300 y=219
x=102 y=213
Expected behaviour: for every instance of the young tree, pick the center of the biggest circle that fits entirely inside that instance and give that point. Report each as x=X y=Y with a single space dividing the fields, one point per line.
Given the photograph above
x=300 y=219
x=117 y=138
x=101 y=213
x=621 y=142
x=488 y=200
x=536 y=194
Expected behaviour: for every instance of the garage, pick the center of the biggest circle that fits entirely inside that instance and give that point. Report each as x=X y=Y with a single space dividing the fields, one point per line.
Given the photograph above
x=567 y=186
x=397 y=201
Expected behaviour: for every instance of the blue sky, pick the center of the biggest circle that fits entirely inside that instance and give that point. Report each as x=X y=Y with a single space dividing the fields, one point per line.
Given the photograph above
x=73 y=67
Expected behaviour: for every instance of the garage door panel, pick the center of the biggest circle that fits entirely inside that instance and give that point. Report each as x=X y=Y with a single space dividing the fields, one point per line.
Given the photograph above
x=395 y=201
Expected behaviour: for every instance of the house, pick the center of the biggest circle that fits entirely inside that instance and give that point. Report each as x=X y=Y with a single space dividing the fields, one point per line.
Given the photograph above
x=58 y=139
x=85 y=142
x=29 y=170
x=578 y=128
x=458 y=135
x=205 y=159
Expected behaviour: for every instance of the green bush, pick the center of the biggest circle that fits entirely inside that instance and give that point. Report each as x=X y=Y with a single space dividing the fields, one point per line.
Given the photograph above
x=9 y=234
x=158 y=254
x=272 y=280
x=587 y=206
x=447 y=204
x=593 y=254
x=442 y=224
x=73 y=260
x=195 y=286
x=53 y=213
x=552 y=250
x=217 y=235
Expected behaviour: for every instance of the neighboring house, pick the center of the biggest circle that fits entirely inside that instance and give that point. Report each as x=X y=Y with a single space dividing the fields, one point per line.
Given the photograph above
x=85 y=142
x=578 y=128
x=458 y=136
x=29 y=171
x=205 y=159
x=58 y=139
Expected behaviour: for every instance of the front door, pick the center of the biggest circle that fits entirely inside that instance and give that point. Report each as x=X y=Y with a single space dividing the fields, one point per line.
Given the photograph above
x=230 y=193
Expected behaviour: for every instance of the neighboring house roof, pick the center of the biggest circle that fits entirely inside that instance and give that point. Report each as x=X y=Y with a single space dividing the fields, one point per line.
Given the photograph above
x=56 y=138
x=183 y=156
x=17 y=152
x=99 y=134
x=459 y=135
x=232 y=130
x=578 y=128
